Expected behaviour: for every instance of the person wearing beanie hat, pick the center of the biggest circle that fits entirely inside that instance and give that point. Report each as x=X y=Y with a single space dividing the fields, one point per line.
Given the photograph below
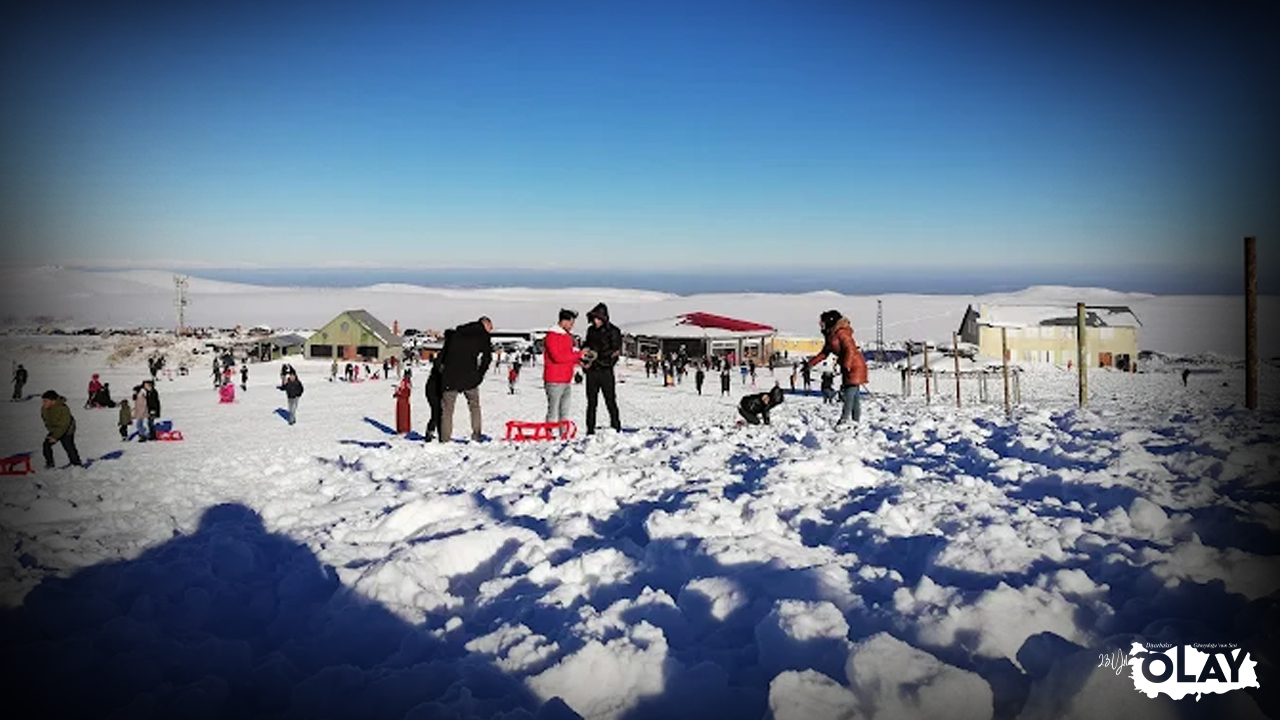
x=60 y=427
x=838 y=332
x=559 y=360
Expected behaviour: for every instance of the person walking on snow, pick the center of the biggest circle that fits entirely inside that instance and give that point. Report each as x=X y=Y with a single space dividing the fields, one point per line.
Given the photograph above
x=743 y=371
x=244 y=376
x=468 y=352
x=806 y=374
x=559 y=359
x=751 y=368
x=60 y=427
x=725 y=378
x=19 y=379
x=604 y=339
x=333 y=370
x=401 y=394
x=698 y=377
x=838 y=332
x=292 y=388
x=755 y=408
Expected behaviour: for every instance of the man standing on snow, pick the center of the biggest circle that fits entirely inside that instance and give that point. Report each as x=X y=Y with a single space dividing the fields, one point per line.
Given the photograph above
x=467 y=355
x=605 y=340
x=853 y=367
x=60 y=427
x=292 y=388
x=153 y=406
x=559 y=359
x=19 y=379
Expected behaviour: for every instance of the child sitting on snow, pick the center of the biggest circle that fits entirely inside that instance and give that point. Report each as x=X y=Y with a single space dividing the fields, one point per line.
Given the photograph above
x=755 y=408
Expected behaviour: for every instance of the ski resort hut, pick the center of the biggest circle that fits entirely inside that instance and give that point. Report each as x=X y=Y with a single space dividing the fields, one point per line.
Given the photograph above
x=278 y=346
x=701 y=334
x=1047 y=333
x=352 y=335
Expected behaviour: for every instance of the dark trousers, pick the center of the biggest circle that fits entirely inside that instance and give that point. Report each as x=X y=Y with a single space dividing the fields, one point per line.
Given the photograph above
x=17 y=391
x=751 y=418
x=601 y=381
x=68 y=443
x=437 y=411
x=124 y=431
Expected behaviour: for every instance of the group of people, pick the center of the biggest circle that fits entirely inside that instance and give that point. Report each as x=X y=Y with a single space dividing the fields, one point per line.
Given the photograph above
x=60 y=423
x=460 y=367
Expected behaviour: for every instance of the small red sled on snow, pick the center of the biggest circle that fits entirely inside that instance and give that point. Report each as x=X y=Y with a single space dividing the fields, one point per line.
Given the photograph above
x=16 y=464
x=521 y=431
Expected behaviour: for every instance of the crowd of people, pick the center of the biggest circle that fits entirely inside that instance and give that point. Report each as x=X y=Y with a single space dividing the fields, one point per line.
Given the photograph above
x=460 y=366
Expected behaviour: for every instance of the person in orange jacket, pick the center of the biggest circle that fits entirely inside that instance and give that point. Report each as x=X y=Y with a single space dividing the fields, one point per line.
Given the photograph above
x=853 y=366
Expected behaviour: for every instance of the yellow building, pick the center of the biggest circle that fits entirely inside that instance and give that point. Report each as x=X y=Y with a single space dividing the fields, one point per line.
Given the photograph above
x=1047 y=333
x=796 y=346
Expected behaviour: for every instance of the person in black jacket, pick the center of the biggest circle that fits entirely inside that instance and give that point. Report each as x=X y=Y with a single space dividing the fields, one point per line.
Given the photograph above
x=698 y=376
x=466 y=358
x=153 y=406
x=19 y=379
x=292 y=388
x=605 y=339
x=755 y=408
x=435 y=393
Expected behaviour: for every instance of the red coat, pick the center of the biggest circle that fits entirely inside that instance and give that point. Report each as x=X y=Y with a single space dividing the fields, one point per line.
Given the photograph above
x=559 y=358
x=403 y=391
x=853 y=367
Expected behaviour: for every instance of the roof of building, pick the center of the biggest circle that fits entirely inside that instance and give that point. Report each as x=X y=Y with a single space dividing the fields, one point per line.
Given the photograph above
x=699 y=325
x=375 y=326
x=1030 y=315
x=286 y=340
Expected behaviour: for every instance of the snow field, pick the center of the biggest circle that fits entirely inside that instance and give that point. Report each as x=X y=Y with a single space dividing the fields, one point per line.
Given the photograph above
x=933 y=562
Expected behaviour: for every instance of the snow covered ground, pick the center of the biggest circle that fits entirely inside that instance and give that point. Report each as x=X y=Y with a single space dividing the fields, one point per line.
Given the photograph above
x=936 y=562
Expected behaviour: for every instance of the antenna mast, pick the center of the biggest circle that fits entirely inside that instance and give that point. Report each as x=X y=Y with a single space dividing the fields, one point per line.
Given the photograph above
x=180 y=301
x=879 y=331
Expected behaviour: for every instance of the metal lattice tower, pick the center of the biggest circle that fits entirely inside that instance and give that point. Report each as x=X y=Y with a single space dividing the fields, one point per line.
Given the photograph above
x=879 y=331
x=180 y=301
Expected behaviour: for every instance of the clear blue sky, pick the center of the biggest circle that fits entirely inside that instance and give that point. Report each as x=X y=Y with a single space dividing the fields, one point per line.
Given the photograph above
x=657 y=134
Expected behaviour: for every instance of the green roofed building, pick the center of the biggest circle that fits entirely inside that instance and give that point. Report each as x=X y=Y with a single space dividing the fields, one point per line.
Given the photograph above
x=353 y=335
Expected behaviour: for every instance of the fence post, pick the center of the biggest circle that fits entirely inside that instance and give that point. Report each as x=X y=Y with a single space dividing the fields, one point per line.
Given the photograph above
x=1004 y=354
x=1251 y=323
x=928 y=387
x=955 y=353
x=1082 y=356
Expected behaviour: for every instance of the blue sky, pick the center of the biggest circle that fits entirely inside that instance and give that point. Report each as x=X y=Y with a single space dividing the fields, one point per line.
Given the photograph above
x=652 y=135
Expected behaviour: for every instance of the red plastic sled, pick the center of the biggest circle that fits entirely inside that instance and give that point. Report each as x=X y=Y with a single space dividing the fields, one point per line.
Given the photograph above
x=16 y=465
x=521 y=431
x=169 y=435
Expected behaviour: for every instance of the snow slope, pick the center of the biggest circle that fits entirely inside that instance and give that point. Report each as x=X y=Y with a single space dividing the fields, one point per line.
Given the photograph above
x=936 y=562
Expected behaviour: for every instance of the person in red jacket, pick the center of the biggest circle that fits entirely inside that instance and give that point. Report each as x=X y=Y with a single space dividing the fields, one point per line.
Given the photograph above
x=402 y=393
x=853 y=367
x=559 y=360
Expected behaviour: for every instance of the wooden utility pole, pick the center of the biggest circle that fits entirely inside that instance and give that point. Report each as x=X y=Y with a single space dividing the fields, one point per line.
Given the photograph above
x=1082 y=355
x=1251 y=323
x=955 y=353
x=1004 y=353
x=927 y=385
